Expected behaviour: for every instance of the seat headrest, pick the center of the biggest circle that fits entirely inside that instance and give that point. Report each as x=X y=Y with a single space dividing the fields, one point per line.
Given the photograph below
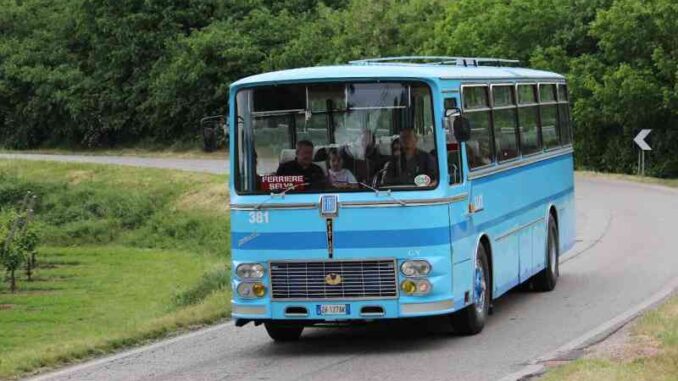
x=287 y=154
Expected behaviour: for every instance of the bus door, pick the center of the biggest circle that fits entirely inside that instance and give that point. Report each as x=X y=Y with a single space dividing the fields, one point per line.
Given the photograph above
x=461 y=250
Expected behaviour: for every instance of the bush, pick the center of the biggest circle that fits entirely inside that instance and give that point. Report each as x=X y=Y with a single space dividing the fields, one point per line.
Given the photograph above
x=209 y=283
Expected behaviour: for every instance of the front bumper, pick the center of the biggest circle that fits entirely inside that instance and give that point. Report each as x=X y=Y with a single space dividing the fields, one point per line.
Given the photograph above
x=357 y=310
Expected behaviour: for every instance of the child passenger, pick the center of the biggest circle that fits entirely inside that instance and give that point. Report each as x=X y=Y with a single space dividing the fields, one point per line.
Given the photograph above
x=339 y=176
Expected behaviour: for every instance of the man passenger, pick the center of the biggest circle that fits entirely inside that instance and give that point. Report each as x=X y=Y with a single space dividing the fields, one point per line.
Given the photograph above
x=412 y=163
x=303 y=165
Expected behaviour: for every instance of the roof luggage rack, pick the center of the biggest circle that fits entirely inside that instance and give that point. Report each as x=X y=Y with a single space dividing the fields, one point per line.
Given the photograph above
x=437 y=60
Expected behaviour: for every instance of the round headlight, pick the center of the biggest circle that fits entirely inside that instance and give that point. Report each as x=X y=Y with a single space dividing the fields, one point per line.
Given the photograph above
x=245 y=290
x=423 y=287
x=415 y=268
x=416 y=287
x=250 y=271
x=408 y=287
x=248 y=290
x=258 y=290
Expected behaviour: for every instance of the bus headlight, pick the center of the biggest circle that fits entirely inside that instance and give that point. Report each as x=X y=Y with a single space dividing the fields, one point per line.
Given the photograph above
x=416 y=287
x=247 y=290
x=250 y=271
x=415 y=268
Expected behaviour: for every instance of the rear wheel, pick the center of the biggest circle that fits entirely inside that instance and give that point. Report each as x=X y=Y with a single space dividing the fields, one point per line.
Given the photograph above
x=547 y=279
x=471 y=319
x=280 y=332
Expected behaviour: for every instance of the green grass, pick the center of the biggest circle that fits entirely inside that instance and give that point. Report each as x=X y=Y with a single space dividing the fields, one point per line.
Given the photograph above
x=127 y=255
x=657 y=329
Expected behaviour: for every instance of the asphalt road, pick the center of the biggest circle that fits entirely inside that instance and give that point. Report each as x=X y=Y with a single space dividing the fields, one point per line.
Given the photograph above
x=626 y=251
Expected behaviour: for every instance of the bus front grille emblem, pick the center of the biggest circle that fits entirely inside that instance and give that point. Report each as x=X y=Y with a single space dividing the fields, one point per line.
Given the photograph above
x=329 y=209
x=333 y=279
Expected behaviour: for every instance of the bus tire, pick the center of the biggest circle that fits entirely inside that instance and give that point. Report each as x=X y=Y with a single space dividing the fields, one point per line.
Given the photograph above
x=471 y=319
x=547 y=279
x=281 y=332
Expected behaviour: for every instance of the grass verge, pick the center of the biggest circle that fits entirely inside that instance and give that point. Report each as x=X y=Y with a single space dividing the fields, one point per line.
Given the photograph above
x=127 y=255
x=650 y=353
x=638 y=179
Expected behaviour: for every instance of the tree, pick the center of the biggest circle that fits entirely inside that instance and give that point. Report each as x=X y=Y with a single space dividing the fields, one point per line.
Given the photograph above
x=18 y=240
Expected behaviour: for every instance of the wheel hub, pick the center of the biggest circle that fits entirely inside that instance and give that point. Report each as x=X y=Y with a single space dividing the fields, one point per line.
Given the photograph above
x=479 y=288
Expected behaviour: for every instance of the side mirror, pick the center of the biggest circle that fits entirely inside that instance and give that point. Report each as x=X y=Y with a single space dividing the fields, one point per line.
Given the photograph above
x=460 y=126
x=462 y=129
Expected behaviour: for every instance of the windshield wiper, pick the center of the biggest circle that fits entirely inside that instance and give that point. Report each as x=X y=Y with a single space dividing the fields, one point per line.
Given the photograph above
x=280 y=194
x=387 y=192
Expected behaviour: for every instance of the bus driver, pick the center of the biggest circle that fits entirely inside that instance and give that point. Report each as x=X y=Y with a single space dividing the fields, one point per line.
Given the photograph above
x=303 y=165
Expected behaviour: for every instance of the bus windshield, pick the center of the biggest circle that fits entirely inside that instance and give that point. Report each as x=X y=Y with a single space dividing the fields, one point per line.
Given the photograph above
x=335 y=137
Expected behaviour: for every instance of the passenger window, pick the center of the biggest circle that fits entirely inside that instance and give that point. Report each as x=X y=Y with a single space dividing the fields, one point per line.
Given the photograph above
x=504 y=117
x=549 y=116
x=527 y=94
x=477 y=111
x=564 y=122
x=547 y=93
x=564 y=116
x=562 y=93
x=528 y=119
x=549 y=126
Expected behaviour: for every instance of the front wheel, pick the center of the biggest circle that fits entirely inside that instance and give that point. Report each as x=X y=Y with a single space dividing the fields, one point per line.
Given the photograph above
x=471 y=319
x=283 y=332
x=547 y=279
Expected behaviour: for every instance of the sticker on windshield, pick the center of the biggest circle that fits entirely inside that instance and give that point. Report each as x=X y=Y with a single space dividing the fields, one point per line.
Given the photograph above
x=276 y=183
x=422 y=181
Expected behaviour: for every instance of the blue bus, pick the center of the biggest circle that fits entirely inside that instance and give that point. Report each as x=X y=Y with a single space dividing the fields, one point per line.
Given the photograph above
x=396 y=188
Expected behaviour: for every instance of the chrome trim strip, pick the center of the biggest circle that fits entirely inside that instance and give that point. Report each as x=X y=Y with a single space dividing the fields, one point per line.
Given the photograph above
x=389 y=203
x=509 y=107
x=372 y=314
x=413 y=308
x=519 y=163
x=354 y=204
x=519 y=228
x=248 y=310
x=297 y=205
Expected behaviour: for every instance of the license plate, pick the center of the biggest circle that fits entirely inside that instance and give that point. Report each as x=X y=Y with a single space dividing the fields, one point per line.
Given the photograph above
x=333 y=309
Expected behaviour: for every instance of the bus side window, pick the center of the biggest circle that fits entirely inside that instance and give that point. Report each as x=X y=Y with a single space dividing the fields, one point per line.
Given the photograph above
x=549 y=116
x=564 y=115
x=504 y=120
x=528 y=117
x=479 y=149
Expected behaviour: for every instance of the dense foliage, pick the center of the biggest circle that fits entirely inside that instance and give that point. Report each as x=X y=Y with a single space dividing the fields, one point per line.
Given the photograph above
x=93 y=73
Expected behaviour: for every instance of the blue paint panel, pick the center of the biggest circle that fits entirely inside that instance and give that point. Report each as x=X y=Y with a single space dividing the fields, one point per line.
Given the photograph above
x=342 y=240
x=517 y=198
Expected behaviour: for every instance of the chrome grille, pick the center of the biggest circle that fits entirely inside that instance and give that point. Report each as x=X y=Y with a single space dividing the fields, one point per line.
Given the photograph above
x=360 y=279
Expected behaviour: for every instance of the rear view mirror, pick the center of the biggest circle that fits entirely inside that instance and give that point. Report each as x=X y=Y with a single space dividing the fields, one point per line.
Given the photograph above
x=462 y=129
x=460 y=126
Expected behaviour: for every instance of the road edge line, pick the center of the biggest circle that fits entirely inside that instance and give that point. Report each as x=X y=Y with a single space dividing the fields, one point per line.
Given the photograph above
x=595 y=335
x=127 y=353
